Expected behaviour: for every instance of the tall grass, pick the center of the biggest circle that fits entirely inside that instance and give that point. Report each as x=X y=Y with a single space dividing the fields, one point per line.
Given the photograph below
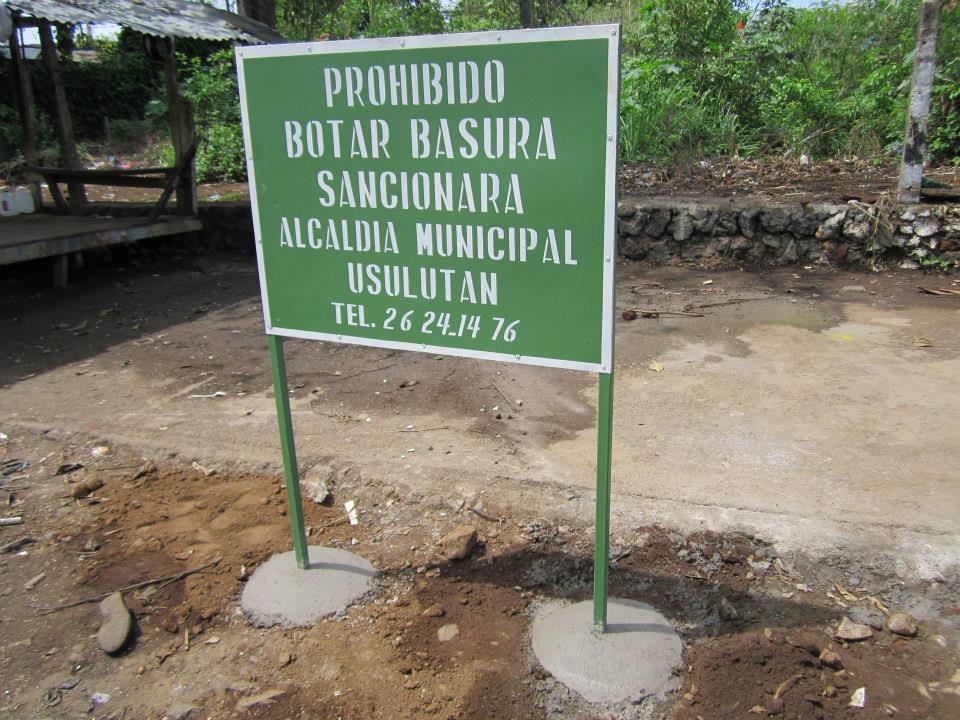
x=664 y=119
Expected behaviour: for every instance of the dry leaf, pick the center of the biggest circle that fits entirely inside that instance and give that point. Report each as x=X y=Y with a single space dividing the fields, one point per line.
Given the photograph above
x=880 y=606
x=837 y=600
x=707 y=282
x=846 y=593
x=655 y=366
x=922 y=342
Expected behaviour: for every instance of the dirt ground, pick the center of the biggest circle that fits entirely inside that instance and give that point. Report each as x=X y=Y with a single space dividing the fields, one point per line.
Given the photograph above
x=791 y=462
x=383 y=659
x=786 y=179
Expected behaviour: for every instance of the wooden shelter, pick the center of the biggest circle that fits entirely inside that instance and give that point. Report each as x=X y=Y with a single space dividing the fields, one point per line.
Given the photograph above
x=64 y=229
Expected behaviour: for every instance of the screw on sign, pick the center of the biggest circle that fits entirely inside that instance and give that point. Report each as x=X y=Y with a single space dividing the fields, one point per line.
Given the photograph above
x=448 y=194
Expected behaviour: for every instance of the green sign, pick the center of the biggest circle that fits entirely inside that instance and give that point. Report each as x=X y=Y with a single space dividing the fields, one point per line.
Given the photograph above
x=452 y=194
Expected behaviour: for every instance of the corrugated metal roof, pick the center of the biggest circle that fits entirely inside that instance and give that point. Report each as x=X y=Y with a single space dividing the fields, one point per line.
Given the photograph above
x=176 y=18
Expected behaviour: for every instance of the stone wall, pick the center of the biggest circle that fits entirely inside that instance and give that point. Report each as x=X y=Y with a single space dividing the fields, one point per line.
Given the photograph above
x=227 y=225
x=660 y=230
x=855 y=233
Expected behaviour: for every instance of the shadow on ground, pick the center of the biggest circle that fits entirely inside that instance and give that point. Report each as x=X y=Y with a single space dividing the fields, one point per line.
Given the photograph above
x=121 y=294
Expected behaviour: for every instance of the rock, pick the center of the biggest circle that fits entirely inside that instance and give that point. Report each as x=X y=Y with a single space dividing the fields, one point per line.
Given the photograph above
x=853 y=288
x=926 y=227
x=731 y=555
x=317 y=491
x=775 y=706
x=789 y=255
x=831 y=227
x=635 y=248
x=459 y=542
x=116 y=622
x=625 y=211
x=748 y=220
x=831 y=659
x=851 y=631
x=774 y=242
x=726 y=223
x=659 y=219
x=836 y=252
x=630 y=228
x=446 y=633
x=682 y=227
x=180 y=711
x=267 y=697
x=903 y=624
x=285 y=659
x=629 y=314
x=909 y=264
x=434 y=611
x=704 y=218
x=81 y=490
x=867 y=616
x=727 y=610
x=857 y=229
x=316 y=484
x=658 y=251
x=91 y=545
x=775 y=219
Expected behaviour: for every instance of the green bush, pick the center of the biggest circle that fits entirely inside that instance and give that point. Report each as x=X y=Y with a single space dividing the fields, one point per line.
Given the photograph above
x=664 y=117
x=828 y=80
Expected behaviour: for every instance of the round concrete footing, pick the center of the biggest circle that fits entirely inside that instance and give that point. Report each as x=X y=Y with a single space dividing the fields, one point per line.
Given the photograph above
x=635 y=658
x=280 y=593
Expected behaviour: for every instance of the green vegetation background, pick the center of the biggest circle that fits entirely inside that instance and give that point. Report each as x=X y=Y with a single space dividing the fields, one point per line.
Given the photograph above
x=699 y=78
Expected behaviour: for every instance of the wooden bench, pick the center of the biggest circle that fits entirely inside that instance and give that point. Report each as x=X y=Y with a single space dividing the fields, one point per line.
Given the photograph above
x=162 y=178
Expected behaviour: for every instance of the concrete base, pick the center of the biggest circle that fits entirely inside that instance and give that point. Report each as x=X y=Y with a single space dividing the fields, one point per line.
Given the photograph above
x=634 y=659
x=279 y=593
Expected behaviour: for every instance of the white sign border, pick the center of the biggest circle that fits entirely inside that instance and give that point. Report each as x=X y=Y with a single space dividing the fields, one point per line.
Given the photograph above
x=611 y=33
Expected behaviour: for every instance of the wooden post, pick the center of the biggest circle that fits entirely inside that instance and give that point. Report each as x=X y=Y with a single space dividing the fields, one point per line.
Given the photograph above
x=182 y=134
x=263 y=11
x=61 y=273
x=526 y=14
x=921 y=85
x=64 y=126
x=24 y=93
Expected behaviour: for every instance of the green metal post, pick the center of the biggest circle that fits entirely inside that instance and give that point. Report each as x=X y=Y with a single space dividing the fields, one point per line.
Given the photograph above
x=295 y=504
x=601 y=556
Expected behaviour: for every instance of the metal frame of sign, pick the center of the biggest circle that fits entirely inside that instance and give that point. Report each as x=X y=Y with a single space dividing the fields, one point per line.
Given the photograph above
x=594 y=32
